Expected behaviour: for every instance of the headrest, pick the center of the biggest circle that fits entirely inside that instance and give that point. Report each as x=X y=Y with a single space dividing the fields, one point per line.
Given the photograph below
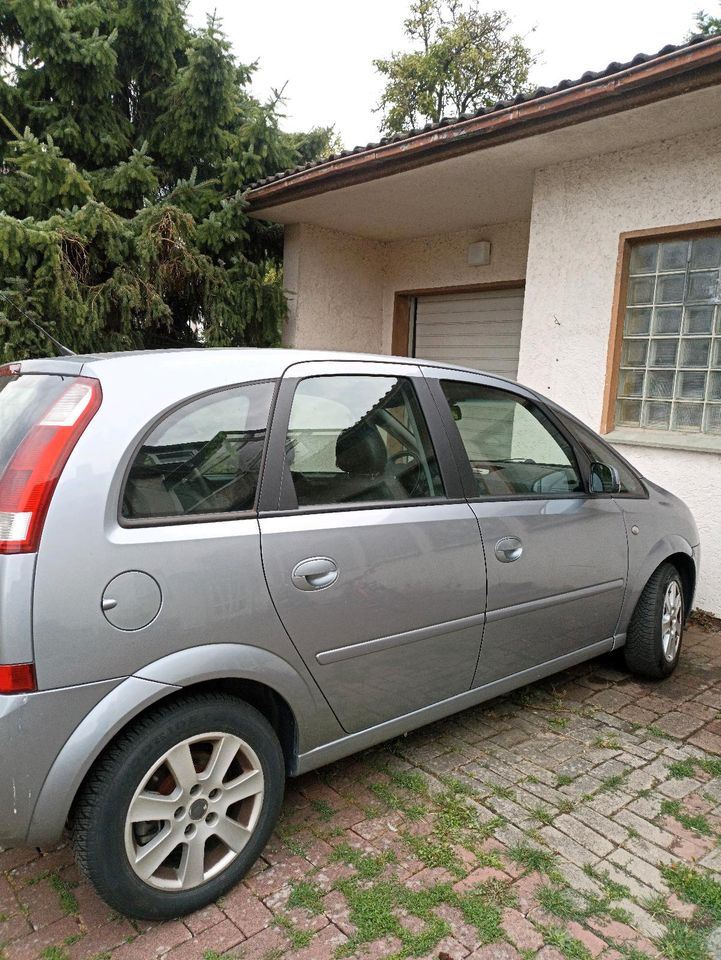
x=360 y=450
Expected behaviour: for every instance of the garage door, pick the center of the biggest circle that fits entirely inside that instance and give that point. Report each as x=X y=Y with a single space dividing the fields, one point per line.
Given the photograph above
x=481 y=330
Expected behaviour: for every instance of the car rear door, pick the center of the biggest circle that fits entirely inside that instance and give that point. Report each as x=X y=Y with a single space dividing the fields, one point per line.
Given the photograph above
x=372 y=556
x=556 y=555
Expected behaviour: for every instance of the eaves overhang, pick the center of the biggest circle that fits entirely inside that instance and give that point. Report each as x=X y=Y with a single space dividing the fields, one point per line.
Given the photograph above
x=645 y=79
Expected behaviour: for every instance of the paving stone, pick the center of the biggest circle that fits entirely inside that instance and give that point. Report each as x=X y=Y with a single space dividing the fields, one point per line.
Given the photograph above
x=32 y=946
x=583 y=834
x=661 y=838
x=510 y=743
x=640 y=869
x=568 y=848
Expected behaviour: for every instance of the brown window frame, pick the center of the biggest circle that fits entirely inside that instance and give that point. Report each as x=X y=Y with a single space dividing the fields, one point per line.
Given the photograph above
x=620 y=295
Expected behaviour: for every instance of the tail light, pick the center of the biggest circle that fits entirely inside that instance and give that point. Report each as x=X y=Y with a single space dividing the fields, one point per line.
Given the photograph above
x=28 y=481
x=17 y=678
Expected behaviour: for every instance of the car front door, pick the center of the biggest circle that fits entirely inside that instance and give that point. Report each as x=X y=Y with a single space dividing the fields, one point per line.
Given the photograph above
x=556 y=555
x=372 y=556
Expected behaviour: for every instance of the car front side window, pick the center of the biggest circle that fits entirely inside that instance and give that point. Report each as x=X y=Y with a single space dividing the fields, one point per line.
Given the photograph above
x=513 y=447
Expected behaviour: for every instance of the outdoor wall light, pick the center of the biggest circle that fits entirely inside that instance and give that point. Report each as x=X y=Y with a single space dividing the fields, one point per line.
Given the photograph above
x=479 y=253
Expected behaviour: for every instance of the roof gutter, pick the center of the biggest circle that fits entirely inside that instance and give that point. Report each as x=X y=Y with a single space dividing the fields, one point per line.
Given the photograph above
x=670 y=75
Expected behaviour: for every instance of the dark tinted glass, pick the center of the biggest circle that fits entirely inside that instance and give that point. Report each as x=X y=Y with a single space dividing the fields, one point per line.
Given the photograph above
x=359 y=438
x=204 y=458
x=514 y=449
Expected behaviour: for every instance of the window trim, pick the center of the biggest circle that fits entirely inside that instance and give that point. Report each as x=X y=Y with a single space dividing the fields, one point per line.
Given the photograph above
x=627 y=240
x=583 y=463
x=214 y=517
x=274 y=496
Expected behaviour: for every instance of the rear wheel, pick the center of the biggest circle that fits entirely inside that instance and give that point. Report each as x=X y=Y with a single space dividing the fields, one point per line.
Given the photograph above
x=655 y=633
x=180 y=807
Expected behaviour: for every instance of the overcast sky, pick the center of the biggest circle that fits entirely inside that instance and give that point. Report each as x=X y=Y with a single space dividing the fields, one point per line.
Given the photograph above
x=323 y=49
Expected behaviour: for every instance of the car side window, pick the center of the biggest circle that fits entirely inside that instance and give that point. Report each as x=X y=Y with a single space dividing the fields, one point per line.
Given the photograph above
x=600 y=452
x=513 y=447
x=359 y=438
x=203 y=458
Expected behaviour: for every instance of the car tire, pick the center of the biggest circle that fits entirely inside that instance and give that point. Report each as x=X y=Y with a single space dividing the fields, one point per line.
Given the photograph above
x=208 y=773
x=655 y=633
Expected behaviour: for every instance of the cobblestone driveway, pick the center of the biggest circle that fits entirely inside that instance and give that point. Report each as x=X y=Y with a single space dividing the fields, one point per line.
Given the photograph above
x=576 y=818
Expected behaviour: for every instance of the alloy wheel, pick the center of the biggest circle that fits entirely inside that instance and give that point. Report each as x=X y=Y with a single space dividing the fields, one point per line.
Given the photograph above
x=671 y=621
x=194 y=811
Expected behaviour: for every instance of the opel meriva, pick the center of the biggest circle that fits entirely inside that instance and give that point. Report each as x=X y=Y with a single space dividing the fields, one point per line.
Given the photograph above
x=220 y=567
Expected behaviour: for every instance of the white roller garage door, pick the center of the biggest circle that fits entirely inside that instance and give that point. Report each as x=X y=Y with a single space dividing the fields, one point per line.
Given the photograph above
x=481 y=330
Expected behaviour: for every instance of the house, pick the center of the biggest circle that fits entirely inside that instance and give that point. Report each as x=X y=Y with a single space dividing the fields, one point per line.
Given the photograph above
x=570 y=238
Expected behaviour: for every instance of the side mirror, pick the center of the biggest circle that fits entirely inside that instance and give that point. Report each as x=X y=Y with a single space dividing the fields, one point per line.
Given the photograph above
x=604 y=478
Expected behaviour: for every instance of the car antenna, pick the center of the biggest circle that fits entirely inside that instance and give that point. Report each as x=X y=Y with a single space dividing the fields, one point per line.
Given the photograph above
x=65 y=351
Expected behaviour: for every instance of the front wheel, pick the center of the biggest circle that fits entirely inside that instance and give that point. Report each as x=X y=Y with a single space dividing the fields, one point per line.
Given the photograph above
x=180 y=807
x=655 y=633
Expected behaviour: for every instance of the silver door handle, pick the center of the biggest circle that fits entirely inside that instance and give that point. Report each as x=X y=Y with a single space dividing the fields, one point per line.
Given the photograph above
x=508 y=549
x=315 y=573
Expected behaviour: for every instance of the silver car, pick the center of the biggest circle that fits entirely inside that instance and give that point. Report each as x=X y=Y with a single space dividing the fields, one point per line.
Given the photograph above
x=222 y=567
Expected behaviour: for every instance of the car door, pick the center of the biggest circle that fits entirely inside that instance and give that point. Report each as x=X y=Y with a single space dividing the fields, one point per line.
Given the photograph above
x=556 y=555
x=372 y=556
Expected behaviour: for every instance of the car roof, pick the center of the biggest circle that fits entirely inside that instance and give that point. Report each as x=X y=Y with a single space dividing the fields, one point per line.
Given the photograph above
x=232 y=364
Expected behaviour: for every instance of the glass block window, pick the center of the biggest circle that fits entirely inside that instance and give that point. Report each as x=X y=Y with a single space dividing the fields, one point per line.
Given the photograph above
x=670 y=370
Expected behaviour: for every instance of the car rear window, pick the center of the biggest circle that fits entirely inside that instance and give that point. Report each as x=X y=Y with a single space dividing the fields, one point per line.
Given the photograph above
x=202 y=459
x=24 y=401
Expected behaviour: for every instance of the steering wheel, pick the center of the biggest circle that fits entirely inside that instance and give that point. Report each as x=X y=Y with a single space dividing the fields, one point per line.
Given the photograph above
x=405 y=457
x=412 y=469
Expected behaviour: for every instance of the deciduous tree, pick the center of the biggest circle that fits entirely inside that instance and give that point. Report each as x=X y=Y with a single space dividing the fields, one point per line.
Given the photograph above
x=463 y=59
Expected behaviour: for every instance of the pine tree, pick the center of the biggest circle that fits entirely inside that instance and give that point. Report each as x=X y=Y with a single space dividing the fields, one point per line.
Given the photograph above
x=127 y=142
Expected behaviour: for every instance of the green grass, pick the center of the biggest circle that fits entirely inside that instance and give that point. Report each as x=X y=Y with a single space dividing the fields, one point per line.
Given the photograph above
x=497 y=892
x=367 y=865
x=394 y=802
x=612 y=783
x=569 y=946
x=410 y=780
x=696 y=887
x=558 y=901
x=298 y=938
x=711 y=766
x=608 y=743
x=655 y=731
x=323 y=809
x=533 y=858
x=434 y=852
x=563 y=780
x=697 y=822
x=560 y=722
x=682 y=941
x=54 y=953
x=64 y=890
x=542 y=814
x=612 y=889
x=306 y=894
x=682 y=769
x=506 y=793
x=485 y=917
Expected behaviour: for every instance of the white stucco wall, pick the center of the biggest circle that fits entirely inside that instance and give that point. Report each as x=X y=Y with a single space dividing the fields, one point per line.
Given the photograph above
x=579 y=211
x=341 y=289
x=334 y=286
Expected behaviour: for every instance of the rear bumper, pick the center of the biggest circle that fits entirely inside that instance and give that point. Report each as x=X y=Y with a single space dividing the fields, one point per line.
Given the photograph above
x=34 y=727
